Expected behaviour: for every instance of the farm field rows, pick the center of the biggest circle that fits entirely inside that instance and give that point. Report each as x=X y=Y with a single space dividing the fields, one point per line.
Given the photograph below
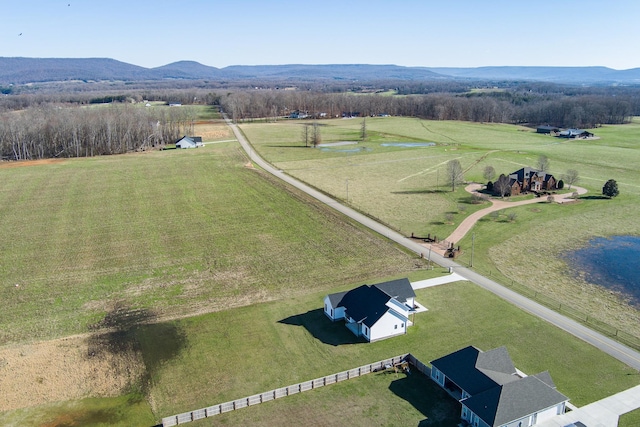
x=176 y=231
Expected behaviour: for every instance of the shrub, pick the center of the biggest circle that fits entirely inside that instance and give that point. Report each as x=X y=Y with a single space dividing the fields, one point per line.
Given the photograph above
x=610 y=188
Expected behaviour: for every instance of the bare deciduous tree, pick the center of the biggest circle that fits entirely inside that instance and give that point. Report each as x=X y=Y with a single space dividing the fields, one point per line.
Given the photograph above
x=543 y=163
x=455 y=174
x=305 y=134
x=571 y=177
x=316 y=138
x=489 y=173
x=501 y=186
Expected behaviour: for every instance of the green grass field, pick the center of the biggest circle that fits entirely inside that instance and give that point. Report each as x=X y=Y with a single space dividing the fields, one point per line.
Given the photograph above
x=179 y=233
x=406 y=189
x=236 y=353
x=176 y=232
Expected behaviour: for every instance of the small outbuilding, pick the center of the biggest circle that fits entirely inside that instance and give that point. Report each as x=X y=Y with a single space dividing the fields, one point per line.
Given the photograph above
x=575 y=133
x=189 y=142
x=546 y=129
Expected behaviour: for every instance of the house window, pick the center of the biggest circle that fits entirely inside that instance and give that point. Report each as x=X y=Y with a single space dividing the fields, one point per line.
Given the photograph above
x=402 y=325
x=325 y=308
x=395 y=326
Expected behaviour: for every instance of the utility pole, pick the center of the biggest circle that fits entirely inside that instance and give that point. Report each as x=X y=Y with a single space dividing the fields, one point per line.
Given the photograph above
x=473 y=238
x=347 y=183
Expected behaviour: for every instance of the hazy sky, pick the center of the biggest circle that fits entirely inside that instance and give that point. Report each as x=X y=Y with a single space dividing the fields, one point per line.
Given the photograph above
x=445 y=33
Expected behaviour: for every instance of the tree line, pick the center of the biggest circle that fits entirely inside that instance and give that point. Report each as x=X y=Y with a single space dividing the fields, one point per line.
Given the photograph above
x=47 y=123
x=580 y=111
x=49 y=131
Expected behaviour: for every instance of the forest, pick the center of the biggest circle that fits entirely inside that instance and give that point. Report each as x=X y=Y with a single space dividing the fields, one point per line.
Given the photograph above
x=74 y=121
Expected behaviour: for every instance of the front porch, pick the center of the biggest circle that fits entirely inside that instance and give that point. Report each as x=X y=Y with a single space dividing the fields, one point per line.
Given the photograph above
x=354 y=328
x=453 y=390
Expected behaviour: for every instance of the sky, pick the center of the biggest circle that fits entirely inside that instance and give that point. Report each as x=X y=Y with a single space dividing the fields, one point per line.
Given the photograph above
x=425 y=33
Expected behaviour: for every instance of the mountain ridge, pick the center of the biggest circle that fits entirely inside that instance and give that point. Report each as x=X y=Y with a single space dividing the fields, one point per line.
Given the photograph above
x=22 y=70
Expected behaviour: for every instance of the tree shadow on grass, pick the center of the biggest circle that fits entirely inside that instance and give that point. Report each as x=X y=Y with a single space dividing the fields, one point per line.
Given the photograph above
x=289 y=146
x=593 y=197
x=435 y=404
x=128 y=332
x=323 y=329
x=425 y=191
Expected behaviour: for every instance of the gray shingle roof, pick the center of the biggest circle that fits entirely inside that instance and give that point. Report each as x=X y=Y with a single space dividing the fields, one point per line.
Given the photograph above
x=497 y=365
x=460 y=367
x=399 y=289
x=336 y=298
x=514 y=400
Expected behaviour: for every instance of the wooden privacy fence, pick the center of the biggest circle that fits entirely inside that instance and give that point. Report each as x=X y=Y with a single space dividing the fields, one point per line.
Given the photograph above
x=292 y=389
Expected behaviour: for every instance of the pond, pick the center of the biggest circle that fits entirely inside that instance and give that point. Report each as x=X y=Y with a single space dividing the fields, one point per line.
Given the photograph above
x=344 y=150
x=611 y=262
x=408 y=144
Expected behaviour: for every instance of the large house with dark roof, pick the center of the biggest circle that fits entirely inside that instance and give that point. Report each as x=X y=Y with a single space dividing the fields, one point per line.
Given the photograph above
x=493 y=393
x=374 y=312
x=527 y=180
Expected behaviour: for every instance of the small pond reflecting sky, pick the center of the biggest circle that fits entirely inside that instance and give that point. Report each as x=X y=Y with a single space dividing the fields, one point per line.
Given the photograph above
x=611 y=262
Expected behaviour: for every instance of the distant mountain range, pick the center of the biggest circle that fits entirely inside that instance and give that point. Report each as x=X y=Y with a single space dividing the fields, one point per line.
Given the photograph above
x=34 y=70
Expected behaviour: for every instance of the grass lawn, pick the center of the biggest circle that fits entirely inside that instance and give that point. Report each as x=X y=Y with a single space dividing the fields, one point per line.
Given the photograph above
x=630 y=419
x=128 y=410
x=406 y=189
x=258 y=348
x=173 y=232
x=230 y=266
x=236 y=353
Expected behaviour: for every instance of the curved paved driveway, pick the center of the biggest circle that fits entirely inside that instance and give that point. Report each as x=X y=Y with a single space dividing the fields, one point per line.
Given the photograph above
x=615 y=349
x=498 y=205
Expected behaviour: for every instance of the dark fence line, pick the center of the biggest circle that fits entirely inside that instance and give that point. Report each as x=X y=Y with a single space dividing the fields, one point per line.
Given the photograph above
x=587 y=319
x=278 y=393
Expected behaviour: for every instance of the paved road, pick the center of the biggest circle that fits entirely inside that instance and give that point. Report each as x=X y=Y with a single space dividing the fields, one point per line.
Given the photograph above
x=609 y=346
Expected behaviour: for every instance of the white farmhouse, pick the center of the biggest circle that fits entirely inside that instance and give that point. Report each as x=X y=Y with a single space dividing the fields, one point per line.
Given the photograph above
x=374 y=312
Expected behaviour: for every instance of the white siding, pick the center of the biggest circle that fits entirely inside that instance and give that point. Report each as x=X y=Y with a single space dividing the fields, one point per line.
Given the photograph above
x=410 y=302
x=387 y=326
x=522 y=422
x=550 y=412
x=437 y=376
x=332 y=312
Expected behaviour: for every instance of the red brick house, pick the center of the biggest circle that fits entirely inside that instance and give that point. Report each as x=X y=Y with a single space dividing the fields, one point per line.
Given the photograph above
x=528 y=180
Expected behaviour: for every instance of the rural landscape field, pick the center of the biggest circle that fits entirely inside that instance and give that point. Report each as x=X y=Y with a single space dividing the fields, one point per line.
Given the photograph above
x=142 y=285
x=406 y=187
